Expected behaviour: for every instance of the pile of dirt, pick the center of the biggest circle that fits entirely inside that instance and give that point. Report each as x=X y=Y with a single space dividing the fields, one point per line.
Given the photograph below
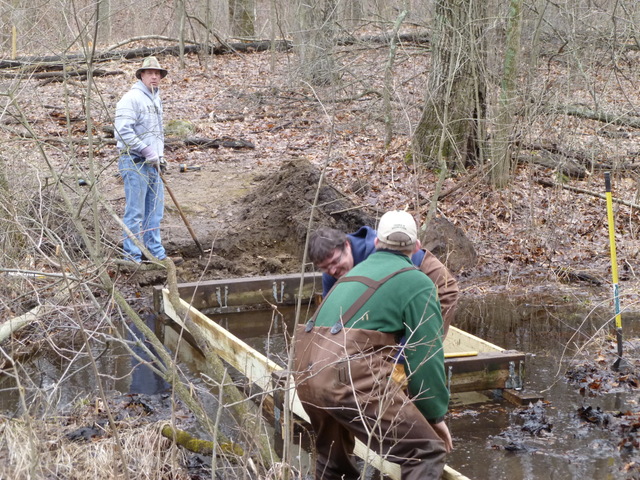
x=274 y=218
x=274 y=221
x=255 y=222
x=288 y=196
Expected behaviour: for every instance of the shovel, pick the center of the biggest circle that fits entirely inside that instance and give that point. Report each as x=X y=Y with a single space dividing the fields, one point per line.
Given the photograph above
x=184 y=219
x=620 y=363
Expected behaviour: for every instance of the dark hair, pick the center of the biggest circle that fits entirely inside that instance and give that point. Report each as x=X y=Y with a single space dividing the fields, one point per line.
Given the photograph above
x=323 y=242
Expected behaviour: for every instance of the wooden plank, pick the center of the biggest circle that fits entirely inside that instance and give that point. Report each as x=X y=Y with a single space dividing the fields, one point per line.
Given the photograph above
x=518 y=397
x=393 y=469
x=464 y=399
x=486 y=371
x=479 y=372
x=254 y=365
x=233 y=294
x=476 y=364
x=486 y=362
x=478 y=381
x=259 y=370
x=460 y=341
x=179 y=342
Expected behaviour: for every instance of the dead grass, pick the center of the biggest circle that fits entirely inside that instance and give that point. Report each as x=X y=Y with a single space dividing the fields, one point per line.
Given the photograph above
x=41 y=450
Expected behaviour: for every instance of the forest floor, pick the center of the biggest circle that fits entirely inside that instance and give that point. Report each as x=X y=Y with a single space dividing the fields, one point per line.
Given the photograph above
x=250 y=207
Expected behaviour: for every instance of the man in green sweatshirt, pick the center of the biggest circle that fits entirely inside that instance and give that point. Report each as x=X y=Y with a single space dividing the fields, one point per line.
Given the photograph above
x=345 y=355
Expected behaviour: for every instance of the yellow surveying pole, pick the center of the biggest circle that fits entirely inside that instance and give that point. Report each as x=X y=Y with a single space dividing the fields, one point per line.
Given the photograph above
x=614 y=269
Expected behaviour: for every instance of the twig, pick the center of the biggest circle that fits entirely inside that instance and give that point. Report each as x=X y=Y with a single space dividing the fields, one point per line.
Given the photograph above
x=36 y=274
x=549 y=183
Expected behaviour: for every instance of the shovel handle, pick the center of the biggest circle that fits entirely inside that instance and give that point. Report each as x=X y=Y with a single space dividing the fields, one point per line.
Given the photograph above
x=182 y=215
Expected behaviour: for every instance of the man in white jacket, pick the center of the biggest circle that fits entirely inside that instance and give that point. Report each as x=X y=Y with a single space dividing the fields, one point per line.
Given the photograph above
x=140 y=135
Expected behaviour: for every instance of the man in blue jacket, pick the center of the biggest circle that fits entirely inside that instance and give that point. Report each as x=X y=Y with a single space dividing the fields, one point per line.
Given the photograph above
x=139 y=133
x=335 y=253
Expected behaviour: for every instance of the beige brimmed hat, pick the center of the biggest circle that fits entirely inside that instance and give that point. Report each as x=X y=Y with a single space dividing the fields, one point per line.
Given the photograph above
x=394 y=223
x=151 y=63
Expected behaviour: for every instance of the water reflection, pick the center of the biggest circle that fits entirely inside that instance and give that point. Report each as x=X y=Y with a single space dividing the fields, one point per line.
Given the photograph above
x=56 y=378
x=551 y=332
x=142 y=378
x=526 y=323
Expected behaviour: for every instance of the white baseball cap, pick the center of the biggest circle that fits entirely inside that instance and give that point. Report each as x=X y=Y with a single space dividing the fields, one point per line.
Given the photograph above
x=397 y=222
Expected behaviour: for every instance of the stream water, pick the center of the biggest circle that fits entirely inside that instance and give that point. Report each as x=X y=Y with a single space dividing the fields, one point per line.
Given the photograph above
x=56 y=379
x=489 y=439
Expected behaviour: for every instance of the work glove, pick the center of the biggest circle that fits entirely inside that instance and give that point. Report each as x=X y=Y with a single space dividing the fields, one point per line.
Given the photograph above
x=163 y=165
x=150 y=157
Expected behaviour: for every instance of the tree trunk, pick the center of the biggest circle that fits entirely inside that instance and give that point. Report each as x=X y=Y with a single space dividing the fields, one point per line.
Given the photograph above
x=501 y=154
x=182 y=11
x=104 y=20
x=241 y=17
x=450 y=133
x=12 y=239
x=354 y=12
x=316 y=38
x=388 y=81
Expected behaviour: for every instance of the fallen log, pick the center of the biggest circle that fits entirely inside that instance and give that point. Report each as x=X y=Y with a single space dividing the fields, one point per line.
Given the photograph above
x=600 y=116
x=170 y=143
x=14 y=324
x=385 y=38
x=95 y=141
x=564 y=165
x=52 y=62
x=581 y=157
x=227 y=142
x=197 y=445
x=61 y=75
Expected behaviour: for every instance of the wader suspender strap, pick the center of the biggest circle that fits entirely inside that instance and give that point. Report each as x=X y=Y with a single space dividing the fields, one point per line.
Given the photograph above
x=372 y=286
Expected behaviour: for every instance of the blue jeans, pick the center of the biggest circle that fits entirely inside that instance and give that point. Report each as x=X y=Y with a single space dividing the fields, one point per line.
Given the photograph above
x=144 y=208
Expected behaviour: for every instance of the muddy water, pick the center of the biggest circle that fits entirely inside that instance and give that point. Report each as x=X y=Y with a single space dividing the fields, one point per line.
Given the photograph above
x=490 y=442
x=489 y=439
x=57 y=379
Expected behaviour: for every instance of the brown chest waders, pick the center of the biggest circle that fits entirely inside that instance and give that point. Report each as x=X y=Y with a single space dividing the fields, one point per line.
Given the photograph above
x=342 y=378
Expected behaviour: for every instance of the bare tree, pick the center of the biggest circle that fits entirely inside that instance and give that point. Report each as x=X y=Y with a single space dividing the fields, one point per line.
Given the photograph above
x=501 y=144
x=316 y=39
x=451 y=130
x=388 y=75
x=13 y=240
x=242 y=17
x=103 y=11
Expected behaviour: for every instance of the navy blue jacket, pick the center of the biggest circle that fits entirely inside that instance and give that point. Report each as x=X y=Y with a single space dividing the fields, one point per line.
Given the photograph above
x=361 y=247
